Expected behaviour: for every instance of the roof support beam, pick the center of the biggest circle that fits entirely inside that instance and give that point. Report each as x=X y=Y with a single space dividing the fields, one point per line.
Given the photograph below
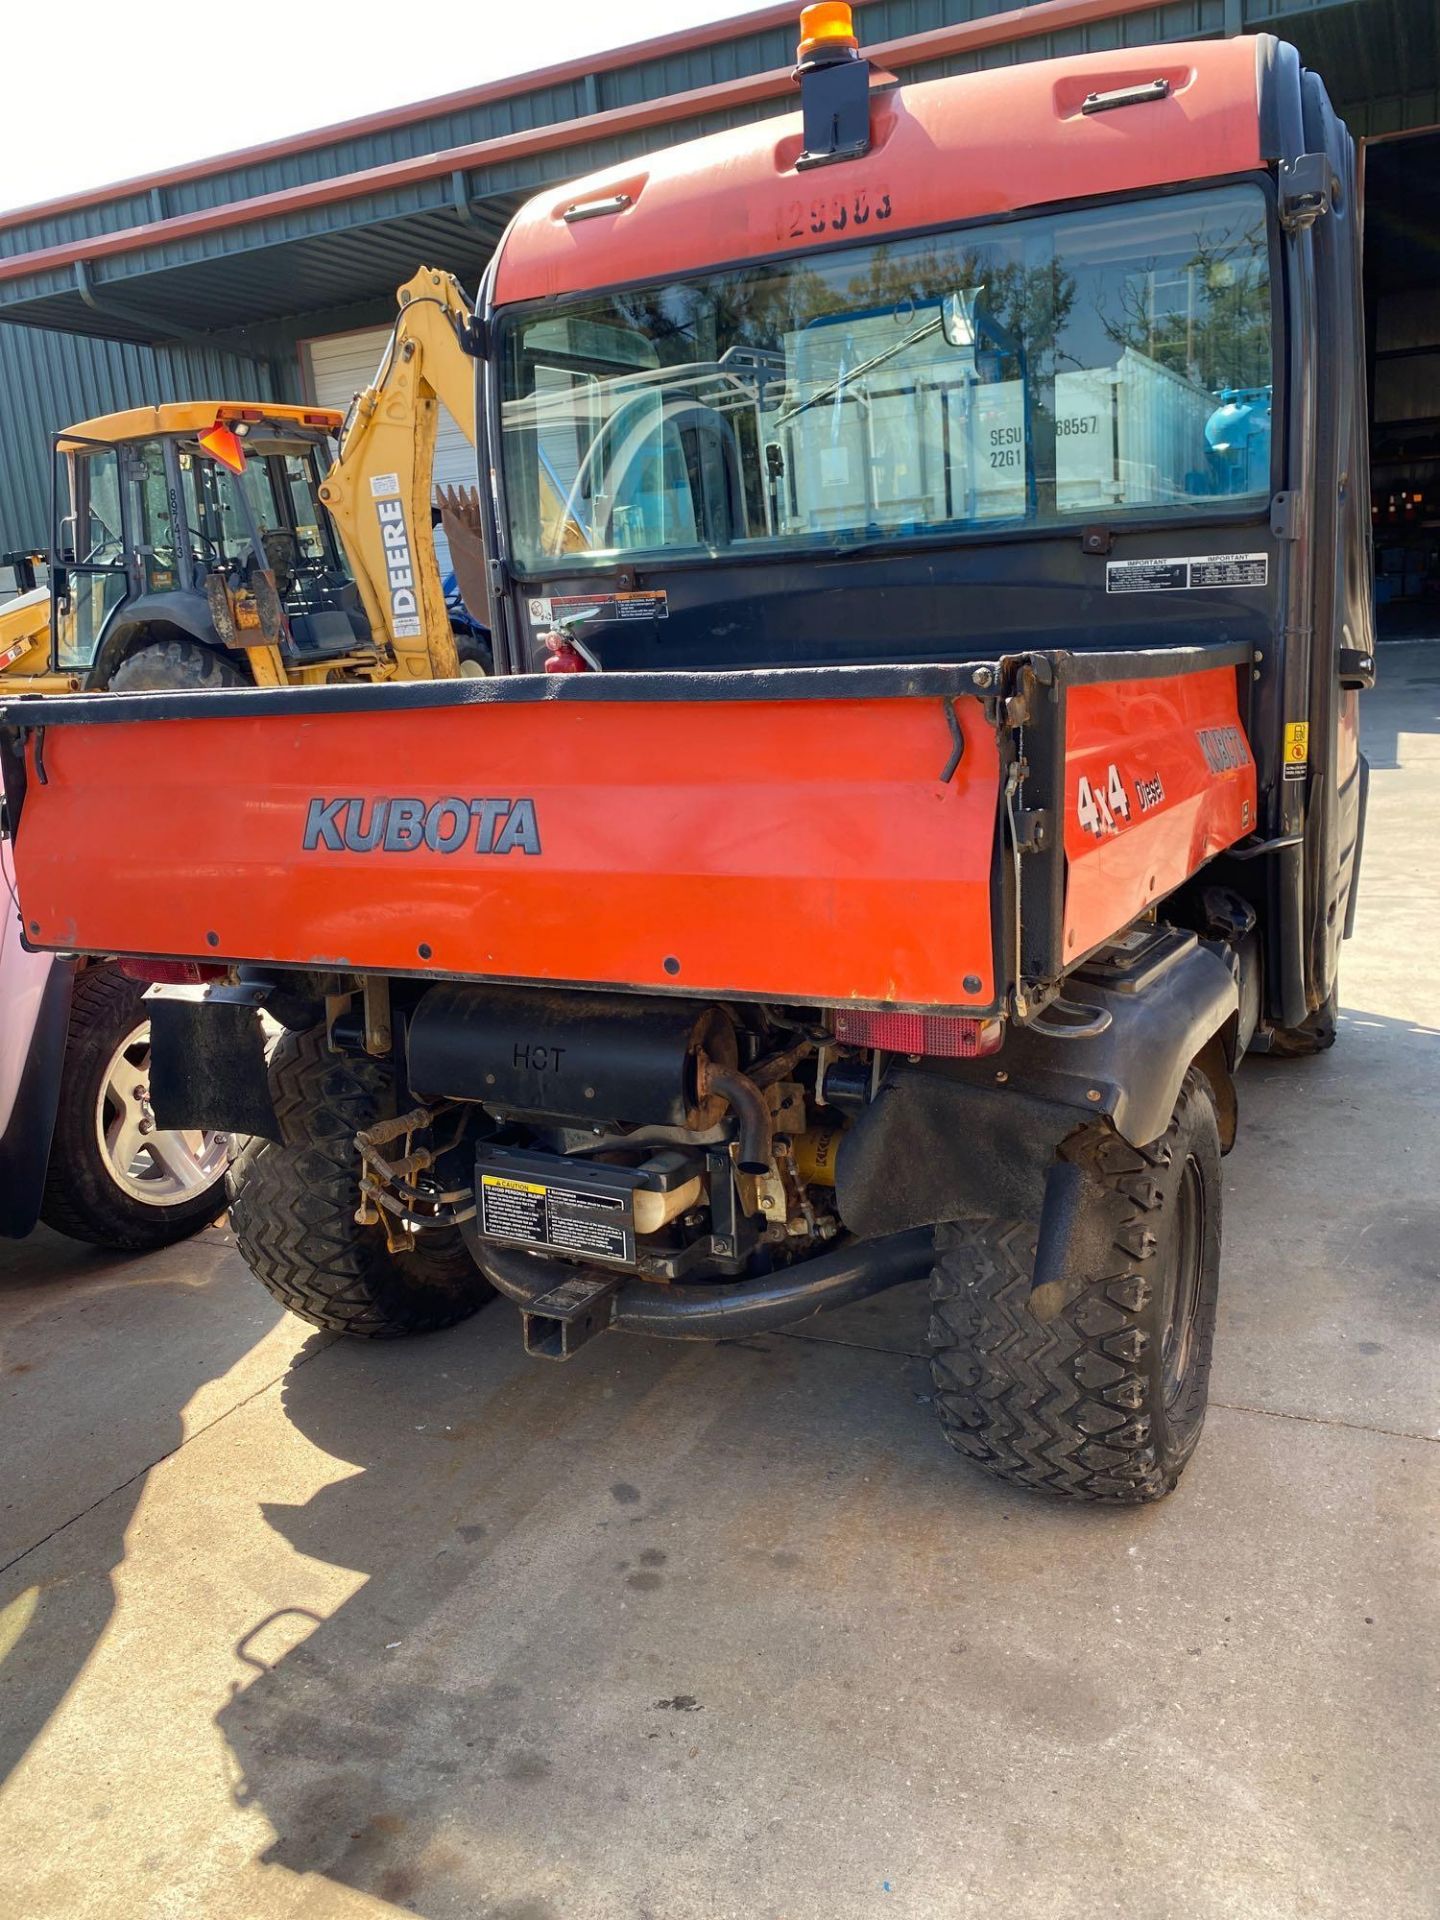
x=669 y=111
x=111 y=309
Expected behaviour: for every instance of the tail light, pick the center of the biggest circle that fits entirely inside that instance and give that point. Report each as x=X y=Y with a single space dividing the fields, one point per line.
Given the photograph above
x=950 y=1036
x=172 y=973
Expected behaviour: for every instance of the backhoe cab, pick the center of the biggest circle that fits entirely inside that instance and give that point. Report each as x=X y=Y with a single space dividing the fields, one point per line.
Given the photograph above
x=191 y=546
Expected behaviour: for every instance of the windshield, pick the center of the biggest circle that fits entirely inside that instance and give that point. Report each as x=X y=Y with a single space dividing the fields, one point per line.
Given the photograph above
x=277 y=492
x=1076 y=366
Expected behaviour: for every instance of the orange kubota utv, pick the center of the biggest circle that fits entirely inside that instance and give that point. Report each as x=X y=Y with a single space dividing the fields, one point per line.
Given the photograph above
x=921 y=760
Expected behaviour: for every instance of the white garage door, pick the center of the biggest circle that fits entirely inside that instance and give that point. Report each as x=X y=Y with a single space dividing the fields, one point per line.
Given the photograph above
x=341 y=364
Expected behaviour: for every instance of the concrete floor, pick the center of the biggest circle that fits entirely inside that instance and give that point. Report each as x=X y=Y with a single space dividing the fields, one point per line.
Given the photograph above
x=295 y=1628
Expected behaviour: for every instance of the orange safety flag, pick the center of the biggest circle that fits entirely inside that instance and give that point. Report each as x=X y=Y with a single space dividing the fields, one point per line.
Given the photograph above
x=222 y=445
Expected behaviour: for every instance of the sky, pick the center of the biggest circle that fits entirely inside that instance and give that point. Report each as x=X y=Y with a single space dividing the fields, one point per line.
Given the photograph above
x=99 y=91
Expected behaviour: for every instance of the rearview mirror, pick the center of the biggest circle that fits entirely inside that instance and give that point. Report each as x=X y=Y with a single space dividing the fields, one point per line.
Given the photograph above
x=957 y=316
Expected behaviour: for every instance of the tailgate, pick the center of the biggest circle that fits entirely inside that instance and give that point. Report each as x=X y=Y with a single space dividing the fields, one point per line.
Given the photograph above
x=816 y=835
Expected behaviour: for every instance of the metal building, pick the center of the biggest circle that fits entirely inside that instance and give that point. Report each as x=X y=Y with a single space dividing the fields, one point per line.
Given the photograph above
x=270 y=272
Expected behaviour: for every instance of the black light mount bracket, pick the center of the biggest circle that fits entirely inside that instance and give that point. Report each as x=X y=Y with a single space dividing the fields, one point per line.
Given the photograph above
x=1306 y=190
x=835 y=106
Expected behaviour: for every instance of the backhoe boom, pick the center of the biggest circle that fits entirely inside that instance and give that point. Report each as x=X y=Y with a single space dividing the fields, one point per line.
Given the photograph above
x=378 y=491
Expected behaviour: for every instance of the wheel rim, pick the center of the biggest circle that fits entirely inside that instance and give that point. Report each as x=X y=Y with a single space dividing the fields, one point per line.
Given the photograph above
x=158 y=1167
x=1182 y=1282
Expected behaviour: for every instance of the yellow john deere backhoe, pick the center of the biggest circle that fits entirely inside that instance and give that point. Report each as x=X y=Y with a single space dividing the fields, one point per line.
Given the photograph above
x=212 y=543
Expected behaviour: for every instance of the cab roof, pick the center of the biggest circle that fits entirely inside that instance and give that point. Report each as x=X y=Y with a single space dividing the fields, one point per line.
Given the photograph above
x=198 y=416
x=942 y=151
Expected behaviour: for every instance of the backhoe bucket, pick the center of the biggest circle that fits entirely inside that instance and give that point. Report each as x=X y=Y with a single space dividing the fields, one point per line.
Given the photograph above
x=460 y=521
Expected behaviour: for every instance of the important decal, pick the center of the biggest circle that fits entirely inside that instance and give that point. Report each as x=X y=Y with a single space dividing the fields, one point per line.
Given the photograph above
x=599 y=607
x=569 y=1219
x=353 y=824
x=1297 y=748
x=399 y=569
x=1187 y=573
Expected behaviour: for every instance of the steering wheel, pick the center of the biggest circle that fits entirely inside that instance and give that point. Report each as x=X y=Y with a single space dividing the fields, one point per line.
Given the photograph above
x=282 y=555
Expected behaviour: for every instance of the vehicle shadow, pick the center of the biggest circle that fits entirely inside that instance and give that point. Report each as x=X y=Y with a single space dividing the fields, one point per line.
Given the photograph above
x=579 y=1576
x=145 y=1336
x=657 y=1632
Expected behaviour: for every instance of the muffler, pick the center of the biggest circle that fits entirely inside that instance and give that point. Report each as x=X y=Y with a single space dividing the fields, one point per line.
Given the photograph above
x=596 y=1058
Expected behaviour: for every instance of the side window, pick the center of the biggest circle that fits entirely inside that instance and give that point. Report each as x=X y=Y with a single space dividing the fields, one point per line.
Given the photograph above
x=216 y=523
x=152 y=516
x=90 y=547
x=305 y=508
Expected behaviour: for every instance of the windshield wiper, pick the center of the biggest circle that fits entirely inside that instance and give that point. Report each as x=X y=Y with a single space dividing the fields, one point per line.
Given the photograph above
x=838 y=385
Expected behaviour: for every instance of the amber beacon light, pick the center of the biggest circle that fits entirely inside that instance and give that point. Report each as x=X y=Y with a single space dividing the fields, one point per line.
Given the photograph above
x=827 y=32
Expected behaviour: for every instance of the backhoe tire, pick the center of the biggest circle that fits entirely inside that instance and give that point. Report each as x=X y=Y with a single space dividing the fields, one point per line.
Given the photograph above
x=180 y=664
x=477 y=658
x=1105 y=1401
x=292 y=1208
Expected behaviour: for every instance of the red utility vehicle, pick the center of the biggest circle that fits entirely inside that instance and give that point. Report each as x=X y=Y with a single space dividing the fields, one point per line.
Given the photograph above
x=963 y=587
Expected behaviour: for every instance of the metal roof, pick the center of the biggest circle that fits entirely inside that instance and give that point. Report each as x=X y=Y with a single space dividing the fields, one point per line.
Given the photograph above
x=965 y=148
x=337 y=217
x=196 y=416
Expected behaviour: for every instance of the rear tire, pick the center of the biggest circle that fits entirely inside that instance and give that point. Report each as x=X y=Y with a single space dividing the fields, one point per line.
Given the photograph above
x=292 y=1208
x=160 y=664
x=1106 y=1401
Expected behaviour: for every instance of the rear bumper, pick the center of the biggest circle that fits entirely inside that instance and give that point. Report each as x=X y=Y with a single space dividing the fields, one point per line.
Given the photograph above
x=834 y=1279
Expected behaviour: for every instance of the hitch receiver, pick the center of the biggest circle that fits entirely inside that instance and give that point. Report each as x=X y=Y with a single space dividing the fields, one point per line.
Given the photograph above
x=557 y=1324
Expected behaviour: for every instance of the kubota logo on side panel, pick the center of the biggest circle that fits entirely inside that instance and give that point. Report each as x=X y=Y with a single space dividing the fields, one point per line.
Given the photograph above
x=356 y=825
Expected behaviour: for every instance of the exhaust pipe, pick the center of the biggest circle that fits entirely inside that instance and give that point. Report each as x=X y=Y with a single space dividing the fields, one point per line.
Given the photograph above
x=747 y=1103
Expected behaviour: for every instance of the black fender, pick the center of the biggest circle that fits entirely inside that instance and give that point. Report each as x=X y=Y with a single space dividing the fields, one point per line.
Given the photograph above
x=945 y=1139
x=25 y=1143
x=173 y=614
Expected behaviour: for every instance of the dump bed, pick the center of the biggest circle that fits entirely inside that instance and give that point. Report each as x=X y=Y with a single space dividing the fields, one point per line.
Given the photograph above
x=823 y=836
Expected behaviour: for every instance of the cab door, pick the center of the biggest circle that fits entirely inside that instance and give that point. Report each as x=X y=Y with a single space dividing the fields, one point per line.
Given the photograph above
x=91 y=570
x=1343 y=652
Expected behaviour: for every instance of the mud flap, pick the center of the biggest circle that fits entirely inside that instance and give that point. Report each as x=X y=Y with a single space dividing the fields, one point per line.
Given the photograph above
x=207 y=1060
x=945 y=1141
x=931 y=1147
x=1074 y=1239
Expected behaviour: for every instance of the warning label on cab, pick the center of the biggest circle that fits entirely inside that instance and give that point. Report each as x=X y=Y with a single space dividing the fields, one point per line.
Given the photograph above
x=1187 y=572
x=566 y=1219
x=549 y=609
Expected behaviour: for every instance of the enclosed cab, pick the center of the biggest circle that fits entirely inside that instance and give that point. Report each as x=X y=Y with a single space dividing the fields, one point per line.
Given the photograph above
x=927 y=549
x=194 y=533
